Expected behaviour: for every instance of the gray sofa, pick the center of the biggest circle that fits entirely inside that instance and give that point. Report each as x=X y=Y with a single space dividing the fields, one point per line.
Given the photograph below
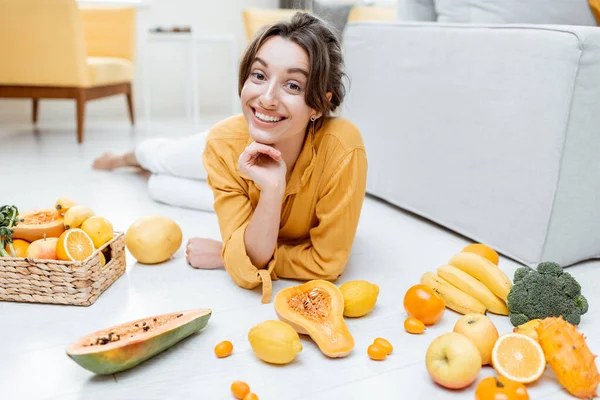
x=489 y=128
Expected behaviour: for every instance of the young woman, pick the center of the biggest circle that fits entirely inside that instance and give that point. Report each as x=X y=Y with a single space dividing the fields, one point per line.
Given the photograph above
x=288 y=178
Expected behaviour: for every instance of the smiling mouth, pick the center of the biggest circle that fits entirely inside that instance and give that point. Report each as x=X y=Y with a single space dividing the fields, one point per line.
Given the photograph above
x=267 y=118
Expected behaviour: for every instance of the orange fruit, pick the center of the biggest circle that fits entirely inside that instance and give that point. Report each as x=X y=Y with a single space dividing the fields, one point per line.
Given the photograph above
x=376 y=352
x=384 y=344
x=422 y=303
x=74 y=245
x=224 y=349
x=500 y=388
x=484 y=251
x=240 y=389
x=20 y=246
x=518 y=358
x=413 y=325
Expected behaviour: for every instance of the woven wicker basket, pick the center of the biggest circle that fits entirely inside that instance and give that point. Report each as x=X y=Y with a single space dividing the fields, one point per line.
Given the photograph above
x=62 y=282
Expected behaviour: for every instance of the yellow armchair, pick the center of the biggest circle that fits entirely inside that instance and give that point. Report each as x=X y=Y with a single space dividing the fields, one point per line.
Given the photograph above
x=372 y=13
x=55 y=49
x=257 y=18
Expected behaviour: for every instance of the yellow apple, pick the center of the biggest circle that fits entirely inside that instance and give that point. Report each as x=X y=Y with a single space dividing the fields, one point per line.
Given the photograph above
x=42 y=249
x=453 y=361
x=481 y=331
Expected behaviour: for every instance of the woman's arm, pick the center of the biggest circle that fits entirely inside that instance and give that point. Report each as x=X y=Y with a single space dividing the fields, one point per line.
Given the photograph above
x=263 y=229
x=235 y=213
x=260 y=236
x=265 y=166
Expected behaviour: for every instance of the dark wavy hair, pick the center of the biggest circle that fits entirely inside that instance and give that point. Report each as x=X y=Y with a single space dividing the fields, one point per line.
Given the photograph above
x=324 y=51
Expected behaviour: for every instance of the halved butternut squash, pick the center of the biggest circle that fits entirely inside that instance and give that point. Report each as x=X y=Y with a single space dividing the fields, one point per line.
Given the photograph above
x=39 y=223
x=316 y=308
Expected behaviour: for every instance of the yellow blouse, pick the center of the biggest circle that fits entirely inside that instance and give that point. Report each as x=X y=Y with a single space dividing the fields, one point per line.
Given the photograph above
x=320 y=209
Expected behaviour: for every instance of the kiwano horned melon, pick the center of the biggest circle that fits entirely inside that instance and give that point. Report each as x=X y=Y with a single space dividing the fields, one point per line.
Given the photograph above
x=569 y=356
x=316 y=308
x=39 y=223
x=153 y=239
x=127 y=345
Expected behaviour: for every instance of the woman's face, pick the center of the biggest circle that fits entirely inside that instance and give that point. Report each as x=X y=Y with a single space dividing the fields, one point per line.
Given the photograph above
x=273 y=95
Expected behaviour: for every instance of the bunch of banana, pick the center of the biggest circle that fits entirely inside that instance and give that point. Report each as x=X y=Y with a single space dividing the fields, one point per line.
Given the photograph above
x=74 y=214
x=470 y=283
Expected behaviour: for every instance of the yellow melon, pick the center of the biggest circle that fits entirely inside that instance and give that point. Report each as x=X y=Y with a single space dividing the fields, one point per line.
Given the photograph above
x=153 y=239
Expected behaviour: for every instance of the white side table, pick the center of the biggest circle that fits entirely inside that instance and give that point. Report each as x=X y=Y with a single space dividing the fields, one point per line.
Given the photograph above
x=192 y=92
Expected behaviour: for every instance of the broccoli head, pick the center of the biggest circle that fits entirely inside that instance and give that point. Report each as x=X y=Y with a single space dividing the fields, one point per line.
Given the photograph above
x=569 y=285
x=520 y=273
x=582 y=304
x=550 y=268
x=518 y=319
x=547 y=291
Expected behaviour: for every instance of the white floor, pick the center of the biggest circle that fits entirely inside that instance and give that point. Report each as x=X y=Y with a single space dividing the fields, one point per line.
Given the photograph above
x=392 y=249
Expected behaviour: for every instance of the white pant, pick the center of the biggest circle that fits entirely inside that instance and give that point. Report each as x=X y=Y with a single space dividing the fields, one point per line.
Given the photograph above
x=178 y=176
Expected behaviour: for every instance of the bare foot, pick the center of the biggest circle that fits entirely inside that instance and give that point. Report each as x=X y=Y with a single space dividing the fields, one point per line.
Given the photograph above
x=106 y=161
x=109 y=161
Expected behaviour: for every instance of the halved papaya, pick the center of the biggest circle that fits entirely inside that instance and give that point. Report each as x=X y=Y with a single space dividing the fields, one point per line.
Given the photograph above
x=39 y=223
x=127 y=345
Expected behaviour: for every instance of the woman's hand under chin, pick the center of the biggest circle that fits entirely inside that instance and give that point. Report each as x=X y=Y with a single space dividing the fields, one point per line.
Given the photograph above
x=265 y=166
x=204 y=253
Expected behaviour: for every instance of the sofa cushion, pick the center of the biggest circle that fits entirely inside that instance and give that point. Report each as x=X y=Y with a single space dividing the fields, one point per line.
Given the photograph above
x=335 y=14
x=109 y=70
x=562 y=12
x=416 y=10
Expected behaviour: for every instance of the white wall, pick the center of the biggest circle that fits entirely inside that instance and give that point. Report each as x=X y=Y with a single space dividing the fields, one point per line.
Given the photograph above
x=169 y=76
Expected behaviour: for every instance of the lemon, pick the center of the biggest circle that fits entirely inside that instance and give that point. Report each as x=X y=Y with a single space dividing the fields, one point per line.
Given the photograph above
x=99 y=229
x=360 y=297
x=274 y=342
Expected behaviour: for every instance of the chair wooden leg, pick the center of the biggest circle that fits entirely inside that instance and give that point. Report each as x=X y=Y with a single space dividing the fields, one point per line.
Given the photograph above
x=80 y=99
x=34 y=115
x=130 y=104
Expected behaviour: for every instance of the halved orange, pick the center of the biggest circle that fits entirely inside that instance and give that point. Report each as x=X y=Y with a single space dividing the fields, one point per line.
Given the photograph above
x=74 y=245
x=484 y=251
x=518 y=357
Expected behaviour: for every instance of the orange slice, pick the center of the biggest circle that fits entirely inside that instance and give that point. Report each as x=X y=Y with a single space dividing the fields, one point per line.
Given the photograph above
x=518 y=358
x=74 y=245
